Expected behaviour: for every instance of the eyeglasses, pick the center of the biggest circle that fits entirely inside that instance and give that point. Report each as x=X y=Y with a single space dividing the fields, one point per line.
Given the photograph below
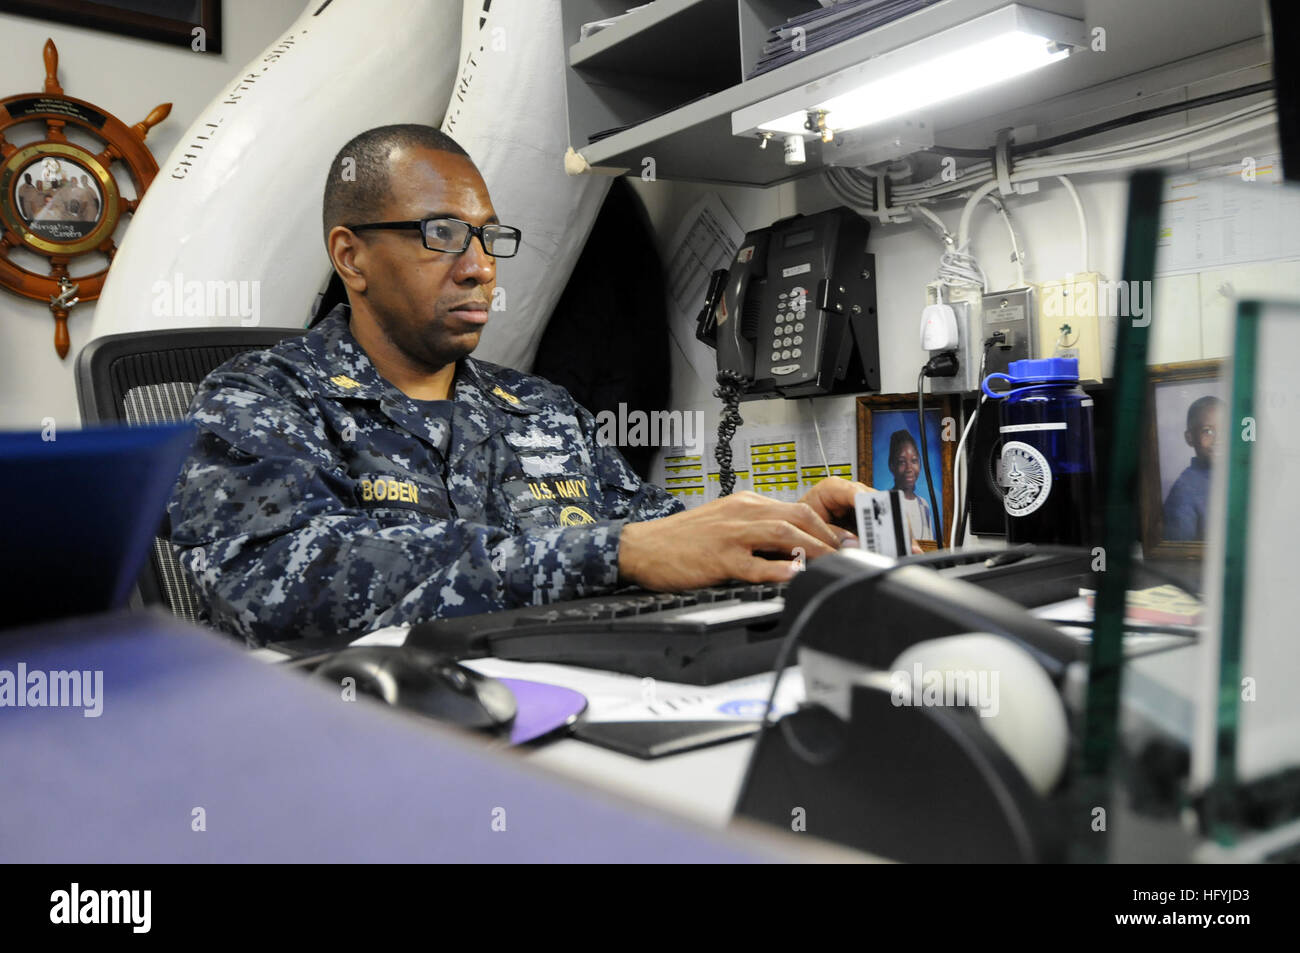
x=452 y=235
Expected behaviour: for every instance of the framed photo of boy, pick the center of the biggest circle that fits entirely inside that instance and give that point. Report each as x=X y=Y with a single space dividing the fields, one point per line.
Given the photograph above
x=889 y=457
x=1186 y=415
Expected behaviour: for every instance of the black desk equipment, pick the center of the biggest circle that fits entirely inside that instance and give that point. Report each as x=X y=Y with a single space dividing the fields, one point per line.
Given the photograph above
x=696 y=637
x=910 y=783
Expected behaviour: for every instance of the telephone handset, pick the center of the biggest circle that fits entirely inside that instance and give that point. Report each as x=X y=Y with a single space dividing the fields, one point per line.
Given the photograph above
x=737 y=314
x=796 y=316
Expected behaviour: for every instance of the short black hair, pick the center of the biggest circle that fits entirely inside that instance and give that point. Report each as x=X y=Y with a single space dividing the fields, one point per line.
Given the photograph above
x=898 y=440
x=1198 y=406
x=358 y=181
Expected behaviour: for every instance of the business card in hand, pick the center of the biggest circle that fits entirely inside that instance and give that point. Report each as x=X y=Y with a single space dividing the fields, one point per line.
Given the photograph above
x=881 y=527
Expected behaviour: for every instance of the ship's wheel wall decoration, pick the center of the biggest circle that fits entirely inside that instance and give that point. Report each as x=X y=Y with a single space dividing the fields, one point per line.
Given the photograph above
x=61 y=200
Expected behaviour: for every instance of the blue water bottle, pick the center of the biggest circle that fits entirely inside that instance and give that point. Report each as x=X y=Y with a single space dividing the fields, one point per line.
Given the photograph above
x=1046 y=470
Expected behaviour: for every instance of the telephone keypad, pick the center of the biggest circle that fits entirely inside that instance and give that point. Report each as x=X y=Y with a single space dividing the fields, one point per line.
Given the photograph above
x=791 y=309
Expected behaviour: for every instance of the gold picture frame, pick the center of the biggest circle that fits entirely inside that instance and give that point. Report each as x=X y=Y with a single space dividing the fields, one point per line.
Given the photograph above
x=879 y=418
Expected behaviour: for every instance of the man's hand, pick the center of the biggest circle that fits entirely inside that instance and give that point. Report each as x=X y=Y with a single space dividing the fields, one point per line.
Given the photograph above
x=832 y=498
x=720 y=541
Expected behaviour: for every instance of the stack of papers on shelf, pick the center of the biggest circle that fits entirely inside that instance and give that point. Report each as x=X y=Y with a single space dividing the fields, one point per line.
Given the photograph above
x=811 y=32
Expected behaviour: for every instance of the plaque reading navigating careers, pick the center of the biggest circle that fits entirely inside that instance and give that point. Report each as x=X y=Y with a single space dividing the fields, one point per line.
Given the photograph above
x=61 y=200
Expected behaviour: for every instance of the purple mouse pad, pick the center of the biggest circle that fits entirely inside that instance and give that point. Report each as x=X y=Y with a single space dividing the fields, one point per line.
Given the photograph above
x=542 y=709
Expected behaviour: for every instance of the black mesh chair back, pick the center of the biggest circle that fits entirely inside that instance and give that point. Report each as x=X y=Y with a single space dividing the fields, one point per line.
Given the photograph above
x=150 y=377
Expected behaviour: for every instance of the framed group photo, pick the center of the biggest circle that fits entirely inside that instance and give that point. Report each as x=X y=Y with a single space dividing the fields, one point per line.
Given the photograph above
x=889 y=458
x=1186 y=417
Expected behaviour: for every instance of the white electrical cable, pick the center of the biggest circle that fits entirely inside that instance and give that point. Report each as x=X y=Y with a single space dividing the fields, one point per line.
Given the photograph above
x=938 y=222
x=939 y=184
x=1017 y=255
x=1229 y=142
x=1133 y=153
x=968 y=210
x=1083 y=218
x=817 y=428
x=846 y=184
x=1157 y=140
x=959 y=269
x=959 y=475
x=1165 y=137
x=1023 y=174
x=1037 y=168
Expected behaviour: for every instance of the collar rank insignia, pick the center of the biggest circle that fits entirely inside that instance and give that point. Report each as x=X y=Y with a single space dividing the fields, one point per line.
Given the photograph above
x=342 y=380
x=508 y=398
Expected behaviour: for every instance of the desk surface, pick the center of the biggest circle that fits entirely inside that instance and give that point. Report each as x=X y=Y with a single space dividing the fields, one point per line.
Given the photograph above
x=285 y=771
x=703 y=784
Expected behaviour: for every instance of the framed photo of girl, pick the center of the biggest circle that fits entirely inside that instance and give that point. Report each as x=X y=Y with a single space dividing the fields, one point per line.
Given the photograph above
x=889 y=457
x=1185 y=416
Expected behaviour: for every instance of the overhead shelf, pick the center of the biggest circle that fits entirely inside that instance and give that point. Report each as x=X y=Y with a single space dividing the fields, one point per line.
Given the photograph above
x=694 y=143
x=701 y=35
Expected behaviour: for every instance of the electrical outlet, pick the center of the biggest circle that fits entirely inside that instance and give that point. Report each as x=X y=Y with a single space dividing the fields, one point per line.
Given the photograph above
x=1069 y=323
x=966 y=305
x=1010 y=313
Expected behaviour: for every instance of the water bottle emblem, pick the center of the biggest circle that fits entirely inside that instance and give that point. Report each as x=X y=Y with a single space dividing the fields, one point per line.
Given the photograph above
x=1026 y=476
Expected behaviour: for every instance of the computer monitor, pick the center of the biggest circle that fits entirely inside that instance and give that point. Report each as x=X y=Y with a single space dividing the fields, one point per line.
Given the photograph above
x=83 y=507
x=1247 y=744
x=1209 y=318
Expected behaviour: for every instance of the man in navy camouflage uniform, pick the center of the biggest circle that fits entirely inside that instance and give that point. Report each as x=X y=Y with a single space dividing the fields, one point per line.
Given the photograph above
x=371 y=473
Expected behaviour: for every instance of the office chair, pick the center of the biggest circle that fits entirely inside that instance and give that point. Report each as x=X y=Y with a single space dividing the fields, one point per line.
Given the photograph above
x=150 y=377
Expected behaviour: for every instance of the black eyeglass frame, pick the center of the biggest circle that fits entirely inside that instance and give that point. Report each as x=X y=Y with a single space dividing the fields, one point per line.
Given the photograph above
x=474 y=230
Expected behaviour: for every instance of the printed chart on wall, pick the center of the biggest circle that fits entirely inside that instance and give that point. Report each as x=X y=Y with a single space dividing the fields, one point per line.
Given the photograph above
x=1204 y=226
x=781 y=462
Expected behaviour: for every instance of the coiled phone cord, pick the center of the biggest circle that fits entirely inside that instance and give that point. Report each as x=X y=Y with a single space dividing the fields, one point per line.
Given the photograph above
x=730 y=384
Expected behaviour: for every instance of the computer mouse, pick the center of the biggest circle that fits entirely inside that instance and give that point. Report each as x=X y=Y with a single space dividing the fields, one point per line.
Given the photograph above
x=426 y=683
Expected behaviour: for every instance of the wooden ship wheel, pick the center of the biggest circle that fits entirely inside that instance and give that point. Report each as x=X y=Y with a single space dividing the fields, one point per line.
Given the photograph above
x=60 y=200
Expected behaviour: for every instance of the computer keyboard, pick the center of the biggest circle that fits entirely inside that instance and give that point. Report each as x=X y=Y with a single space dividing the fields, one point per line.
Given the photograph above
x=698 y=637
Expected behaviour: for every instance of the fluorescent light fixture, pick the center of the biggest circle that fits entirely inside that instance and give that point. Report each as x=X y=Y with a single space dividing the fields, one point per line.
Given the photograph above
x=982 y=52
